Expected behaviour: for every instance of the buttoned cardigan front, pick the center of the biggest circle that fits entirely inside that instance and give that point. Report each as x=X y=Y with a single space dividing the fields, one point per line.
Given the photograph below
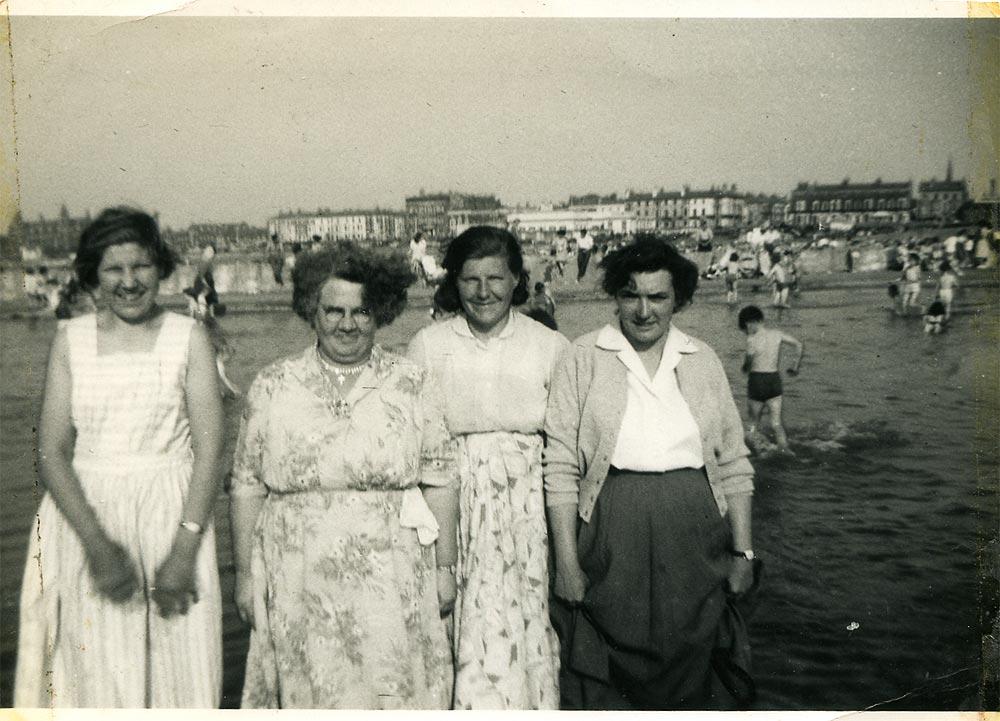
x=584 y=414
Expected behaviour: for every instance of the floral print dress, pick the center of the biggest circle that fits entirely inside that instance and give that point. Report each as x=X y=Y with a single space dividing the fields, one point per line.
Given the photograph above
x=506 y=651
x=343 y=564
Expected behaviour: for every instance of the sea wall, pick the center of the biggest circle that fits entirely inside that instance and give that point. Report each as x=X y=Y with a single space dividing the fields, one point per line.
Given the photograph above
x=248 y=275
x=232 y=275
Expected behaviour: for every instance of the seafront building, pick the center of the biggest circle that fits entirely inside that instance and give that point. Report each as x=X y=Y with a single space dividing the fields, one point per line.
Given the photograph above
x=234 y=237
x=761 y=209
x=47 y=237
x=366 y=227
x=445 y=215
x=715 y=207
x=940 y=199
x=848 y=204
x=468 y=210
x=604 y=214
x=635 y=212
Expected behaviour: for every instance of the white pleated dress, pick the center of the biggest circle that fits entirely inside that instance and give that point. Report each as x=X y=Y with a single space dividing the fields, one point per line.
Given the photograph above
x=134 y=460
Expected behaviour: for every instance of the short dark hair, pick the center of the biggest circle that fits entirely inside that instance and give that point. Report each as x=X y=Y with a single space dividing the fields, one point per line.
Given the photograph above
x=750 y=314
x=116 y=226
x=481 y=241
x=384 y=278
x=648 y=254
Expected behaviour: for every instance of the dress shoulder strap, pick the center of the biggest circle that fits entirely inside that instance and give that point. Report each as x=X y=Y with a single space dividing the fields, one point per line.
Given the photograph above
x=175 y=335
x=81 y=338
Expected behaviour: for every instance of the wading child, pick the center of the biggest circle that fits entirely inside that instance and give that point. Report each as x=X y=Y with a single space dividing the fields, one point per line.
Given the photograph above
x=732 y=278
x=947 y=284
x=935 y=318
x=761 y=362
x=897 y=301
x=911 y=282
x=778 y=277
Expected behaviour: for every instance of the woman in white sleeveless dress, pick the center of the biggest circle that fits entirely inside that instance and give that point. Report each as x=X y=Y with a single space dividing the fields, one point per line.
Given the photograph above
x=120 y=605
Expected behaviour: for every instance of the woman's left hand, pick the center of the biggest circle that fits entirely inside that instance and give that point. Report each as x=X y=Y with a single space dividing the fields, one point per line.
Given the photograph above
x=174 y=589
x=446 y=588
x=740 y=575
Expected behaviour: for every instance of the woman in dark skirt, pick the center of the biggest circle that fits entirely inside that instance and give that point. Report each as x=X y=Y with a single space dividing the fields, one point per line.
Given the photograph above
x=648 y=490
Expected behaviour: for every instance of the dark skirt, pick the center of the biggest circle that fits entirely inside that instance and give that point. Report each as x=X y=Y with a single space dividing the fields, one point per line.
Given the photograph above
x=656 y=554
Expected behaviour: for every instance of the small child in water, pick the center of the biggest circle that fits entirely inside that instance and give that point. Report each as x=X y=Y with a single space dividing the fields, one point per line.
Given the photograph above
x=897 y=300
x=764 y=381
x=947 y=284
x=911 y=281
x=732 y=278
x=935 y=317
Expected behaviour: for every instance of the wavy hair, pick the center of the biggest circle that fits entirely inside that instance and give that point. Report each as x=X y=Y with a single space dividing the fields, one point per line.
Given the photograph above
x=383 y=276
x=648 y=254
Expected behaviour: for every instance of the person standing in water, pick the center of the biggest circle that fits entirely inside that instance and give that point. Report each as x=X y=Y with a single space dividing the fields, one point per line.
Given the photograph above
x=276 y=259
x=764 y=389
x=911 y=282
x=778 y=277
x=947 y=284
x=732 y=277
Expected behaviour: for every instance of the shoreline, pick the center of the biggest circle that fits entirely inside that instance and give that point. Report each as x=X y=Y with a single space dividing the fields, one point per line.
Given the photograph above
x=563 y=291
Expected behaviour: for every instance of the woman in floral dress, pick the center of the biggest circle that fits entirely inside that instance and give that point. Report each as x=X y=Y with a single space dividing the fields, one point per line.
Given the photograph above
x=494 y=366
x=343 y=506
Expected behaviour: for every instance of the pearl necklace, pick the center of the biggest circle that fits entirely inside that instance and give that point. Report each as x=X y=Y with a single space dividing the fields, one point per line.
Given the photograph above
x=339 y=373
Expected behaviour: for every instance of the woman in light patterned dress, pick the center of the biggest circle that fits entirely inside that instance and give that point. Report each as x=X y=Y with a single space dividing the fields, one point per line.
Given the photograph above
x=120 y=605
x=494 y=366
x=343 y=506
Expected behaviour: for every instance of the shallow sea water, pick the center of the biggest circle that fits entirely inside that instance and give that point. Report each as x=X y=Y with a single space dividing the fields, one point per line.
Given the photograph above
x=878 y=578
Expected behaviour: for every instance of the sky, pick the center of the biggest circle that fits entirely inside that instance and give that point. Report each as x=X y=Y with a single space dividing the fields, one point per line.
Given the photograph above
x=222 y=119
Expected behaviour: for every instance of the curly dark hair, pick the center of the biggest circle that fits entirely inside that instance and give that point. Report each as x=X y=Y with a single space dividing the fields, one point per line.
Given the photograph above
x=115 y=226
x=648 y=254
x=383 y=276
x=481 y=241
x=749 y=314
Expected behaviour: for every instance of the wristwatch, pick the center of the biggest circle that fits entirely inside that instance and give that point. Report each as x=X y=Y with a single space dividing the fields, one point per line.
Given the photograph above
x=746 y=555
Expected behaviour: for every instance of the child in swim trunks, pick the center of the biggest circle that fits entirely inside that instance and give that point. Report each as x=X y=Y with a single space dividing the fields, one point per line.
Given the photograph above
x=935 y=318
x=764 y=382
